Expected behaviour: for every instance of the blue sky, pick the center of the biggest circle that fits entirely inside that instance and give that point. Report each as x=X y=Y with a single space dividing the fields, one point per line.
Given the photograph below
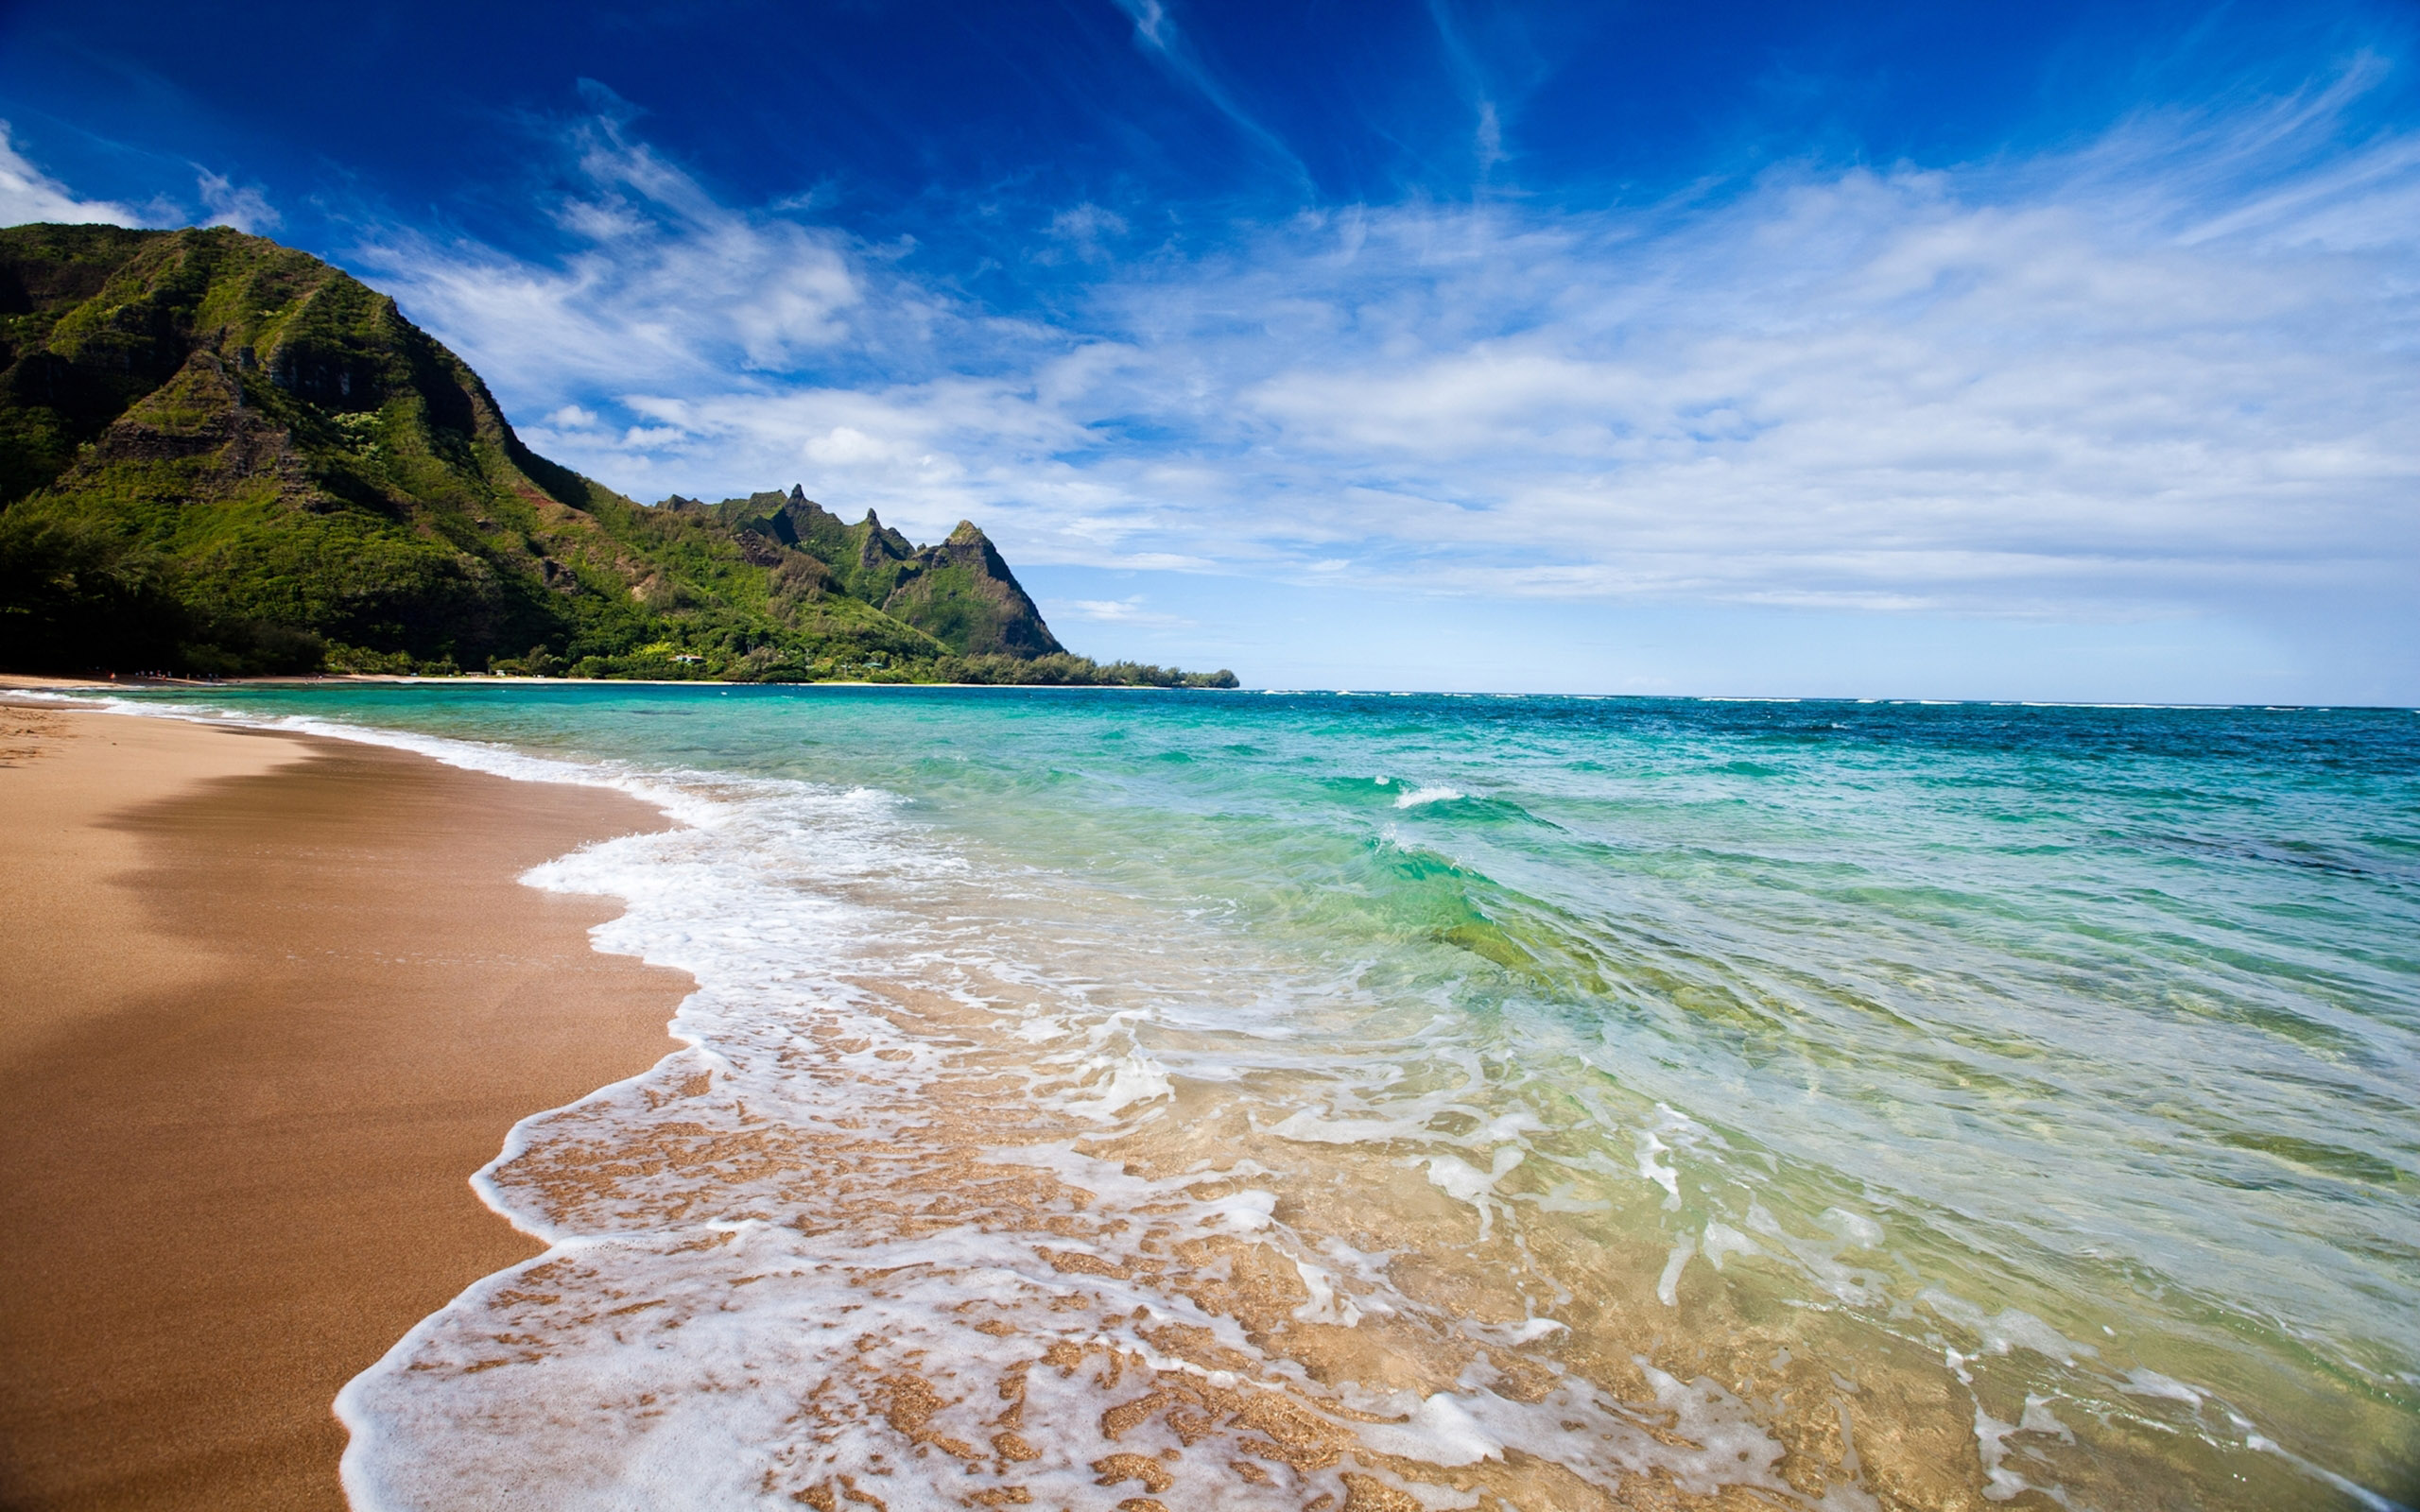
x=2045 y=351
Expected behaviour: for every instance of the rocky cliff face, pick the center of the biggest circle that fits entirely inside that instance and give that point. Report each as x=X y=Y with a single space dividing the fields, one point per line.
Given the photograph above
x=219 y=453
x=960 y=591
x=962 y=595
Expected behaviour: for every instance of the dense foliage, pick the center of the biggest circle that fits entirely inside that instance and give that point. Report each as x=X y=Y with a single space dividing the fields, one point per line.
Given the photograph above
x=221 y=456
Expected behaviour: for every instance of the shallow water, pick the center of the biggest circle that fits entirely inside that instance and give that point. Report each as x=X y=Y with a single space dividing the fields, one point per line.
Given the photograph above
x=1414 y=1101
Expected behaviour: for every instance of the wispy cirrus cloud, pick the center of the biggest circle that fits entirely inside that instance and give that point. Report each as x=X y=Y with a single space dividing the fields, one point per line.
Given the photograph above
x=1158 y=35
x=2168 y=368
x=659 y=279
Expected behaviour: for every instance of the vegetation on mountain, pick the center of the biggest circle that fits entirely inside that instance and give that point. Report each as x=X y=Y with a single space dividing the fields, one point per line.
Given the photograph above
x=220 y=456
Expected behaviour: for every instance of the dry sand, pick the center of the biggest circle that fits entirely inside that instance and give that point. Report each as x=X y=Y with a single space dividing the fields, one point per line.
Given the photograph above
x=266 y=1003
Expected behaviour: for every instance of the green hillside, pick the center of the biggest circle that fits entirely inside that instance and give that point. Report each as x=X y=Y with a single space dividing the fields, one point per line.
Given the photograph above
x=960 y=591
x=221 y=456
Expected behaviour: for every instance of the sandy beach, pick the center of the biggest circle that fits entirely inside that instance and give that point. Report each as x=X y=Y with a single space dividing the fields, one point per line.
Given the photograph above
x=268 y=1002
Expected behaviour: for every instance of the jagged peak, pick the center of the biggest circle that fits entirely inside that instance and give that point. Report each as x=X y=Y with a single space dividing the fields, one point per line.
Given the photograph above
x=968 y=534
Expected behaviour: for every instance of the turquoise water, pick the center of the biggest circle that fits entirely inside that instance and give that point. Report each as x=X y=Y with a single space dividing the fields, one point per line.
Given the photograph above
x=1994 y=1102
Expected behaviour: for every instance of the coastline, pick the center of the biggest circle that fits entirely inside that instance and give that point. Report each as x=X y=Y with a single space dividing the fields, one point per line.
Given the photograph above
x=272 y=999
x=317 y=680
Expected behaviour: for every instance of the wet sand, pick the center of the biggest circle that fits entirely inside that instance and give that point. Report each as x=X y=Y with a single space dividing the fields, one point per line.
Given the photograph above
x=266 y=1003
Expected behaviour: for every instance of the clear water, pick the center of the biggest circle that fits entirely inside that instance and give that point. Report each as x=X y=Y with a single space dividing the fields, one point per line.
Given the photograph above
x=1249 y=1098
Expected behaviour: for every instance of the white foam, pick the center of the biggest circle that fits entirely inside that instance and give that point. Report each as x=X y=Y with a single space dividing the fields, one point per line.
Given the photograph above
x=2009 y=1329
x=1131 y=1077
x=2000 y=1484
x=1421 y=796
x=1668 y=1285
x=1650 y=1145
x=1818 y=1260
x=1851 y=1228
x=1560 y=1197
x=1465 y=1182
x=2353 y=1490
x=1441 y=1432
x=2141 y=1381
x=1721 y=1240
x=1327 y=1304
x=1721 y=1443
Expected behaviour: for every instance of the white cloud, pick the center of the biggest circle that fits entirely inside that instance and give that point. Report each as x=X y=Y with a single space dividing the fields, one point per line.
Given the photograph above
x=1085 y=229
x=2172 y=368
x=664 y=287
x=245 y=208
x=27 y=195
x=1099 y=609
x=1126 y=612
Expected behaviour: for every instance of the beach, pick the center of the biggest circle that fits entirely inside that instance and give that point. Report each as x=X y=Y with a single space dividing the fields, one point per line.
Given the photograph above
x=270 y=1001
x=1113 y=1101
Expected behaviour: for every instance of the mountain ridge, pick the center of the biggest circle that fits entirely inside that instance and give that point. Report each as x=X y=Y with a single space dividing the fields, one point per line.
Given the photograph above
x=222 y=455
x=960 y=589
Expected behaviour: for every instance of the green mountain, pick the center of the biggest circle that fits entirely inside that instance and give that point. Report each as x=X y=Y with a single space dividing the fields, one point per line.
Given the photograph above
x=218 y=454
x=960 y=591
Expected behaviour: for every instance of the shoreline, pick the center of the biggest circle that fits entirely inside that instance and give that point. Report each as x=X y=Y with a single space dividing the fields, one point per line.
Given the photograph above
x=47 y=683
x=71 y=685
x=847 y=1105
x=273 y=1000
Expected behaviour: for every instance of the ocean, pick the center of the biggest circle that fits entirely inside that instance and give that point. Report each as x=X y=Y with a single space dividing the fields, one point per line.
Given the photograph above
x=1101 y=1098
